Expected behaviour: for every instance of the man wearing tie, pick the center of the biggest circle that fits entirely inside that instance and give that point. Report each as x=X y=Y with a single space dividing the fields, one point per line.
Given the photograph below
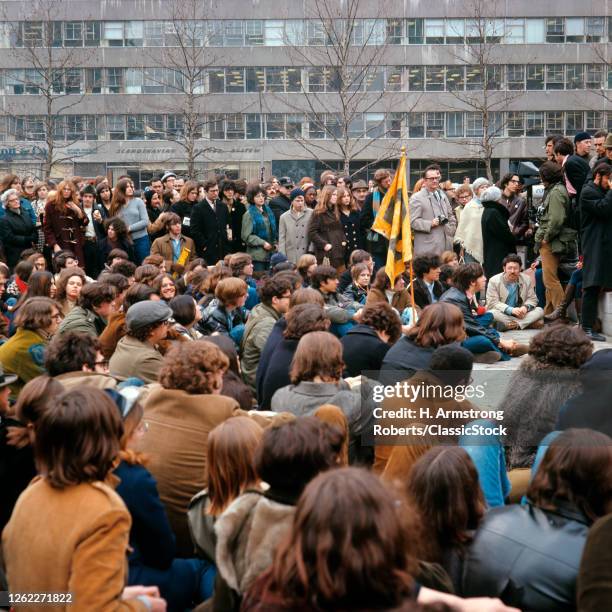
x=210 y=225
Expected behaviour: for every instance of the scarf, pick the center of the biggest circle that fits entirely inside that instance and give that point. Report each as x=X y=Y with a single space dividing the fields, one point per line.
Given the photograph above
x=259 y=225
x=469 y=230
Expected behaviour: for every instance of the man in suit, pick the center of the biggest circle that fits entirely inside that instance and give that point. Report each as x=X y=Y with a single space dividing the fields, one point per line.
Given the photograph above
x=281 y=203
x=210 y=224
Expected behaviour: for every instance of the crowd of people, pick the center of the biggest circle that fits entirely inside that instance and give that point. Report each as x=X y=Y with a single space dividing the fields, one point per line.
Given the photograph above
x=184 y=376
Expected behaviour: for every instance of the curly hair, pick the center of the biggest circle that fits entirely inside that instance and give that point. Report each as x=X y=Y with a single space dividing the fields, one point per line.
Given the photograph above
x=562 y=346
x=192 y=366
x=384 y=318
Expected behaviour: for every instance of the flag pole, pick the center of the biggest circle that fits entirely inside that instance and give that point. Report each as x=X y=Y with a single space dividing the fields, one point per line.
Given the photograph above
x=410 y=270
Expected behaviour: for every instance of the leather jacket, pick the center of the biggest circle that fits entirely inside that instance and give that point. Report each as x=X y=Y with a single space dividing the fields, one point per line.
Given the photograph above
x=528 y=557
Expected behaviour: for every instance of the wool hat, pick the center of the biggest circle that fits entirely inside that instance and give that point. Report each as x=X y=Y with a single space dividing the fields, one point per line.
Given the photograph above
x=141 y=314
x=285 y=181
x=359 y=185
x=479 y=182
x=580 y=136
x=167 y=175
x=277 y=258
x=295 y=193
x=491 y=194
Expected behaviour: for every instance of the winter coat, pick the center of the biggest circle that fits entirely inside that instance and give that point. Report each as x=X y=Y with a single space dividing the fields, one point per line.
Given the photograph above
x=74 y=540
x=279 y=205
x=176 y=442
x=215 y=318
x=24 y=355
x=596 y=236
x=576 y=169
x=528 y=557
x=553 y=223
x=403 y=360
x=497 y=293
x=363 y=351
x=424 y=208
x=277 y=372
x=17 y=233
x=519 y=216
x=236 y=214
x=380 y=245
x=65 y=229
x=422 y=297
x=353 y=233
x=80 y=319
x=497 y=239
x=163 y=246
x=472 y=326
x=184 y=210
x=77 y=380
x=594 y=588
x=274 y=339
x=135 y=358
x=256 y=332
x=293 y=234
x=399 y=300
x=531 y=403
x=469 y=229
x=254 y=243
x=325 y=229
x=354 y=293
x=209 y=230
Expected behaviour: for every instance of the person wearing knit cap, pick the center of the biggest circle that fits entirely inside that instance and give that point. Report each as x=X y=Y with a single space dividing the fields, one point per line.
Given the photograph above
x=360 y=191
x=293 y=226
x=497 y=238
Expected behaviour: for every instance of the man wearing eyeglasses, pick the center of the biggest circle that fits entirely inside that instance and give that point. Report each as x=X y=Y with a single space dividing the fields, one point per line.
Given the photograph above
x=432 y=218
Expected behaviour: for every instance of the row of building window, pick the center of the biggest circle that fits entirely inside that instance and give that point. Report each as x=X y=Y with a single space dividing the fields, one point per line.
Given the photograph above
x=281 y=79
x=304 y=32
x=275 y=126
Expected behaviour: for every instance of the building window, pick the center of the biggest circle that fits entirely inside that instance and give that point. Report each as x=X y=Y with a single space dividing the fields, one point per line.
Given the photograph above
x=535 y=76
x=394 y=78
x=253 y=126
x=516 y=124
x=574 y=122
x=154 y=127
x=416 y=125
x=216 y=126
x=134 y=33
x=135 y=127
x=275 y=81
x=515 y=77
x=255 y=79
x=93 y=80
x=233 y=36
x=374 y=125
x=495 y=124
x=454 y=125
x=434 y=31
x=494 y=78
x=535 y=31
x=555 y=76
x=534 y=123
x=114 y=80
x=554 y=122
x=316 y=130
x=113 y=33
x=295 y=121
x=254 y=32
x=473 y=125
x=515 y=32
x=154 y=81
x=395 y=31
x=555 y=31
x=574 y=29
x=92 y=31
x=275 y=126
x=474 y=78
x=235 y=127
x=175 y=126
x=435 y=78
x=216 y=80
x=575 y=76
x=455 y=31
x=355 y=127
x=315 y=33
x=154 y=33
x=115 y=127
x=594 y=76
x=455 y=80
x=73 y=79
x=234 y=80
x=594 y=121
x=73 y=34
x=434 y=127
x=415 y=28
x=375 y=79
x=416 y=78
x=594 y=29
x=294 y=80
x=394 y=125
x=274 y=33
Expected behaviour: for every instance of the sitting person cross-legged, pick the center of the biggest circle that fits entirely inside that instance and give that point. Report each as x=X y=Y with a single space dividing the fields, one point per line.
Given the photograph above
x=427 y=286
x=512 y=299
x=483 y=340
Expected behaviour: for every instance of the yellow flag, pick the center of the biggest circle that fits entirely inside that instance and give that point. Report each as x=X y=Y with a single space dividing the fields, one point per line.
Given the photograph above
x=393 y=222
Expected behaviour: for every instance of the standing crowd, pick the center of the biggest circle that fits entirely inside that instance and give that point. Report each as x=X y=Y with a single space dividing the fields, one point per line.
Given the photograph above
x=184 y=378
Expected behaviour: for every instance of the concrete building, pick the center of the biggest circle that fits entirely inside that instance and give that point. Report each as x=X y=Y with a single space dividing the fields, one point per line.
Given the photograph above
x=270 y=90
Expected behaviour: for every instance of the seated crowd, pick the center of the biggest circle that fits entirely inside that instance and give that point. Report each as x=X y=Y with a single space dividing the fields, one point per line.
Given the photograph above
x=187 y=420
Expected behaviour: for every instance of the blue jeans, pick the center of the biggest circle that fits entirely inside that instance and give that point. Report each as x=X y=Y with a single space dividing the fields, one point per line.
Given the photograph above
x=482 y=344
x=185 y=582
x=142 y=248
x=539 y=287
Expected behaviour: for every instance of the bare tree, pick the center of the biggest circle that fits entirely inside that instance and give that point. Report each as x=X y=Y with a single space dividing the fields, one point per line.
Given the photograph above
x=480 y=92
x=181 y=68
x=54 y=73
x=343 y=54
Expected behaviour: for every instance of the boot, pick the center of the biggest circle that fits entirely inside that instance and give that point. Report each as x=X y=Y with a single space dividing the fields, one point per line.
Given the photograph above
x=594 y=335
x=487 y=357
x=561 y=311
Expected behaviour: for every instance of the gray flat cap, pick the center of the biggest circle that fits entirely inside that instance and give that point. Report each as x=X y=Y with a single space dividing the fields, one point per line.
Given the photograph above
x=146 y=313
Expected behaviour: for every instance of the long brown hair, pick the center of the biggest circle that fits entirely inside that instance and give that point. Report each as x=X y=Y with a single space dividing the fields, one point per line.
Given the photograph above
x=322 y=202
x=439 y=324
x=577 y=468
x=120 y=198
x=59 y=201
x=444 y=487
x=231 y=461
x=342 y=191
x=77 y=438
x=347 y=549
x=318 y=353
x=333 y=416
